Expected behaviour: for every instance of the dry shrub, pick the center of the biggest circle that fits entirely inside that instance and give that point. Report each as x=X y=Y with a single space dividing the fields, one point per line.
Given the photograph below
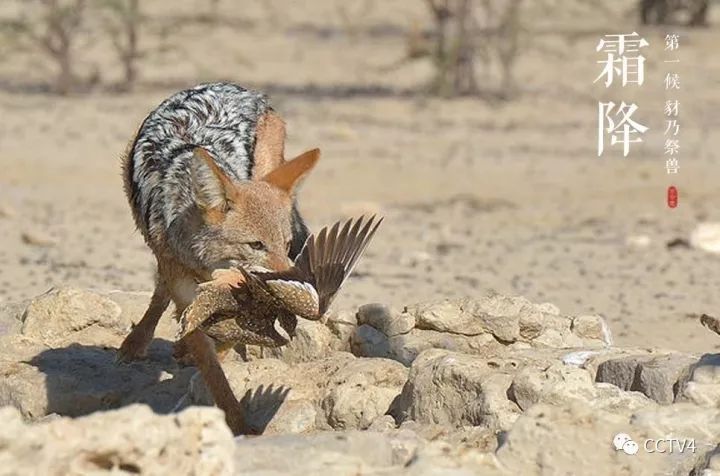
x=53 y=27
x=122 y=20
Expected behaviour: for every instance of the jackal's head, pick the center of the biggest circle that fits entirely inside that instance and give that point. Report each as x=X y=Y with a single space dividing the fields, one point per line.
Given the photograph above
x=246 y=224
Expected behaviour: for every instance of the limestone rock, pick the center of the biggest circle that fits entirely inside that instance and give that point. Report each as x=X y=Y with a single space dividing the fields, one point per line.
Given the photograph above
x=369 y=342
x=64 y=359
x=352 y=453
x=362 y=391
x=338 y=453
x=313 y=340
x=382 y=423
x=275 y=399
x=456 y=317
x=442 y=457
x=681 y=420
x=547 y=379
x=555 y=384
x=592 y=327
x=78 y=380
x=592 y=359
x=342 y=324
x=494 y=313
x=339 y=392
x=77 y=316
x=496 y=385
x=610 y=398
x=11 y=317
x=455 y=389
x=133 y=305
x=388 y=321
x=131 y=440
x=574 y=439
x=703 y=385
x=55 y=315
x=491 y=325
x=709 y=464
x=657 y=376
x=688 y=425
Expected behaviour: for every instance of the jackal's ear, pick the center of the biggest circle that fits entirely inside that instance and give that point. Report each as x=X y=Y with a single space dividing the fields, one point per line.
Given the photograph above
x=288 y=175
x=211 y=186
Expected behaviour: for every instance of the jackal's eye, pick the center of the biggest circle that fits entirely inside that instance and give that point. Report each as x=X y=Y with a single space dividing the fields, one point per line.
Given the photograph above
x=257 y=245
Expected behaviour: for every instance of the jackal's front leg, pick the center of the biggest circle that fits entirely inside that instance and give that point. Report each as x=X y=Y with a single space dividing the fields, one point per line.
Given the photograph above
x=203 y=350
x=136 y=343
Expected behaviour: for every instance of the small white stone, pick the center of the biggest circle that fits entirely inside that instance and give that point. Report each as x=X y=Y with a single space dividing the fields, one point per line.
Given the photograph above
x=579 y=358
x=706 y=237
x=638 y=241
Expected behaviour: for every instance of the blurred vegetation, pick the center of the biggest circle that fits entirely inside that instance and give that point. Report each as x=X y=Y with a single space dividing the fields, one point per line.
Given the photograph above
x=661 y=12
x=468 y=32
x=123 y=21
x=472 y=38
x=63 y=30
x=53 y=27
x=472 y=45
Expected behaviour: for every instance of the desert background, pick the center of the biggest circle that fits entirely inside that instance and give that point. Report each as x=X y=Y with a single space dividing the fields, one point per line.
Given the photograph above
x=471 y=125
x=501 y=190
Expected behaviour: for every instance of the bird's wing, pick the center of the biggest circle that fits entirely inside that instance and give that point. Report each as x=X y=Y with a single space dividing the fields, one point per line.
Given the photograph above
x=325 y=262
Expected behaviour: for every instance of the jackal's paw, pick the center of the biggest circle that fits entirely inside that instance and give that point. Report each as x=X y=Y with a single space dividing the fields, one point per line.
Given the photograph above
x=134 y=347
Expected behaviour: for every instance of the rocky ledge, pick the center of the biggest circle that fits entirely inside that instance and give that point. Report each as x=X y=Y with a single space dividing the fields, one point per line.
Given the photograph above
x=494 y=385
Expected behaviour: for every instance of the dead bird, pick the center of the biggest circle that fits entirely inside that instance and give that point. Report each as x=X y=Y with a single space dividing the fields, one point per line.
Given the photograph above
x=244 y=307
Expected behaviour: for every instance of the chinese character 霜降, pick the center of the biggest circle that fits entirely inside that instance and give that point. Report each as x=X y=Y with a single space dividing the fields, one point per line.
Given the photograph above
x=619 y=126
x=623 y=59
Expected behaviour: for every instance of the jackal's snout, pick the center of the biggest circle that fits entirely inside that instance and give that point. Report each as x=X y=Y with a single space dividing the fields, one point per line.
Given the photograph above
x=279 y=262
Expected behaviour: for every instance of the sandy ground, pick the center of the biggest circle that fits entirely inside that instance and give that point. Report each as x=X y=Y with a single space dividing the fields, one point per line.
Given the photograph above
x=477 y=194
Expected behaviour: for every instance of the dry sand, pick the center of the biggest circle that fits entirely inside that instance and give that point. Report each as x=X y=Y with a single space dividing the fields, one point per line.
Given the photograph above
x=477 y=194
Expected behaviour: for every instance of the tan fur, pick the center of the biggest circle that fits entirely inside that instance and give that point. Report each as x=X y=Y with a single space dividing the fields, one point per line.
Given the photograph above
x=224 y=233
x=269 y=144
x=287 y=176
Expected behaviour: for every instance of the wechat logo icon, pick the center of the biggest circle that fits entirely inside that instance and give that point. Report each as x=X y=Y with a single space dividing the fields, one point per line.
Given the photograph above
x=622 y=441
